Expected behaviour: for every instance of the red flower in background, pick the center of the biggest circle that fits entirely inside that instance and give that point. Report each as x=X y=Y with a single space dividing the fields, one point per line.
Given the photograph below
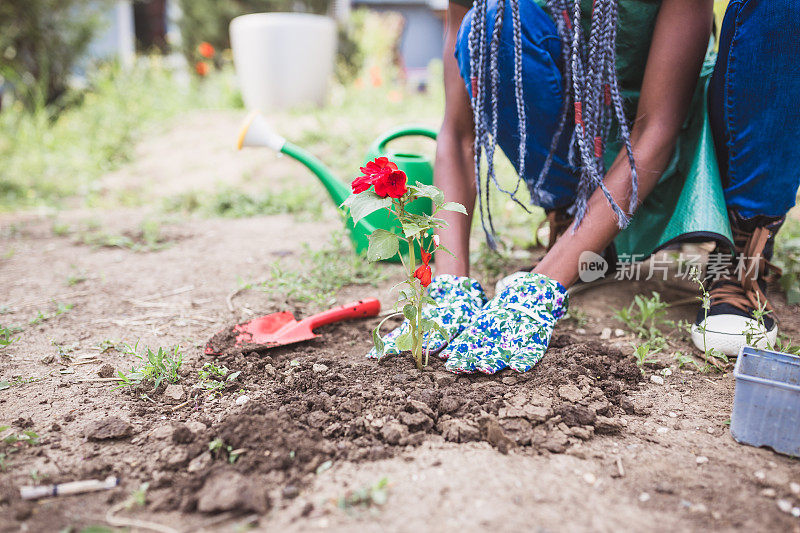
x=206 y=50
x=201 y=67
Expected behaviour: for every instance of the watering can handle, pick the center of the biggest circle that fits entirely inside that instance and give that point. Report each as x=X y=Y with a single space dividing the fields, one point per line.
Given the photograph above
x=379 y=146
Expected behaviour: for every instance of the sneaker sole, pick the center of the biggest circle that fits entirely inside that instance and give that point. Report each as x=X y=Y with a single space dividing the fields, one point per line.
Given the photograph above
x=730 y=343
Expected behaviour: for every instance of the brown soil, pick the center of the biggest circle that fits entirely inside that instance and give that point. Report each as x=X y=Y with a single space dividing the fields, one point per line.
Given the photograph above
x=584 y=442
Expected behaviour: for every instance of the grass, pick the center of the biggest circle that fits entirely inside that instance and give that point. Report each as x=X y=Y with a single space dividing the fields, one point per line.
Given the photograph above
x=147 y=238
x=42 y=316
x=321 y=274
x=157 y=366
x=48 y=157
x=233 y=203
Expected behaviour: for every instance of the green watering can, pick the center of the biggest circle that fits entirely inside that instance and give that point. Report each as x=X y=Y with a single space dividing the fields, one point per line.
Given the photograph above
x=418 y=168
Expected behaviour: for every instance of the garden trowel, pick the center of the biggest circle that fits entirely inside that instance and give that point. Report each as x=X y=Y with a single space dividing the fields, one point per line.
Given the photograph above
x=279 y=329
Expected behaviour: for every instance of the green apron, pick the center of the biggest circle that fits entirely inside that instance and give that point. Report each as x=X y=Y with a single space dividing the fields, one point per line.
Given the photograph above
x=688 y=203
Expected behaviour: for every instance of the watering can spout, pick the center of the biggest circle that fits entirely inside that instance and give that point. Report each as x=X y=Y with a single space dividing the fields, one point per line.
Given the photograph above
x=256 y=132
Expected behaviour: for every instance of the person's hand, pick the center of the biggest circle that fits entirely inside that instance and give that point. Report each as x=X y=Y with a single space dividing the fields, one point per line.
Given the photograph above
x=513 y=330
x=459 y=300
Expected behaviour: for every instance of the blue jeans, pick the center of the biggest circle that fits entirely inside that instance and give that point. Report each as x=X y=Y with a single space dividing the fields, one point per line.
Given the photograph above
x=754 y=106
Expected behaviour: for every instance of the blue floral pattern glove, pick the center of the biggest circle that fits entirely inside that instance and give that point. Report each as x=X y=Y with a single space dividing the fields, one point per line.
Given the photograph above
x=513 y=330
x=459 y=300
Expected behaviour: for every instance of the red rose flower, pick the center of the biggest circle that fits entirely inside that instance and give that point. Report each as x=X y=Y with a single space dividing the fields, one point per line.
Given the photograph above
x=201 y=67
x=206 y=50
x=392 y=185
x=423 y=274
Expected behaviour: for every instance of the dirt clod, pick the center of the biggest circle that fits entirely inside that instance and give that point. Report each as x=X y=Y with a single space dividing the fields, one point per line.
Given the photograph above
x=228 y=490
x=106 y=371
x=108 y=428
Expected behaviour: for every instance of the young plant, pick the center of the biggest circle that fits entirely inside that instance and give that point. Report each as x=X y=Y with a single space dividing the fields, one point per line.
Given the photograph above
x=644 y=316
x=157 y=366
x=383 y=187
x=7 y=335
x=709 y=354
x=213 y=378
x=643 y=352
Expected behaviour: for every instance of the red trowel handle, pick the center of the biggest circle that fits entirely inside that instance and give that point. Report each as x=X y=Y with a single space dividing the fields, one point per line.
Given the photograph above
x=359 y=309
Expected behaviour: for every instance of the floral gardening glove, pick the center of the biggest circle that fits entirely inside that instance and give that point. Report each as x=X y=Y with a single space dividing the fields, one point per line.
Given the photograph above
x=460 y=299
x=513 y=330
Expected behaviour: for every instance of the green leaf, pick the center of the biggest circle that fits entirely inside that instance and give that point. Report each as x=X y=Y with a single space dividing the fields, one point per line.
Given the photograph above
x=410 y=312
x=429 y=191
x=404 y=341
x=382 y=245
x=365 y=203
x=377 y=341
x=411 y=229
x=4 y=385
x=454 y=206
x=428 y=300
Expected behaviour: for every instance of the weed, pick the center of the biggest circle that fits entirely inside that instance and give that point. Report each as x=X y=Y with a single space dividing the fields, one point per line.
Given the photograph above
x=644 y=352
x=74 y=279
x=754 y=335
x=7 y=335
x=644 y=316
x=214 y=378
x=64 y=350
x=157 y=366
x=108 y=345
x=577 y=316
x=682 y=359
x=13 y=442
x=218 y=448
x=138 y=497
x=60 y=309
x=367 y=496
x=705 y=302
x=322 y=274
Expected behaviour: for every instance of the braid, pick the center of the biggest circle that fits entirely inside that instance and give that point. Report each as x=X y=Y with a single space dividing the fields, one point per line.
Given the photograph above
x=591 y=94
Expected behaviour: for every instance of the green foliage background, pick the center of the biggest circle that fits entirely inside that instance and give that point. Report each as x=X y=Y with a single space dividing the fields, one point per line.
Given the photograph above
x=40 y=43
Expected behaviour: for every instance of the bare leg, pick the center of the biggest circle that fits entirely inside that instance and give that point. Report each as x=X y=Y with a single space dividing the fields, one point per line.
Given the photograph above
x=453 y=172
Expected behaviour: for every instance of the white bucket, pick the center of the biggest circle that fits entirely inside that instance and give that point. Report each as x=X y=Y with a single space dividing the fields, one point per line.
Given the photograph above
x=283 y=59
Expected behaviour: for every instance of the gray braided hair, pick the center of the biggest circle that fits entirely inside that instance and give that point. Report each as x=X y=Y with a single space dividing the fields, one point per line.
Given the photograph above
x=591 y=94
